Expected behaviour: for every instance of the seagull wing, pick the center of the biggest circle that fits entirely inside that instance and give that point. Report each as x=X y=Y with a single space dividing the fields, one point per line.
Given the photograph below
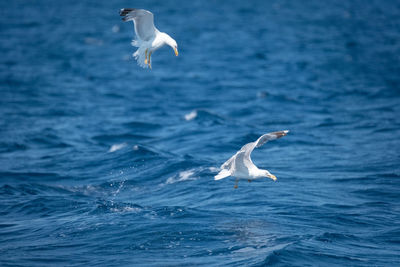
x=243 y=160
x=269 y=137
x=143 y=20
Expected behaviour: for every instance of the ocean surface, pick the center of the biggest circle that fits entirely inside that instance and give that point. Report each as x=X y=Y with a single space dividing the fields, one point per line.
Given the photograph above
x=103 y=163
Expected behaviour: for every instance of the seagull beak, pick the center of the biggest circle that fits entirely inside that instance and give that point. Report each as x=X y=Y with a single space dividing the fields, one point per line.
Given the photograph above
x=176 y=52
x=273 y=177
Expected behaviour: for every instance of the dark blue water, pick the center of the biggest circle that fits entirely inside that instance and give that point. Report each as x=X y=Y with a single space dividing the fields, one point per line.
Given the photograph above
x=103 y=163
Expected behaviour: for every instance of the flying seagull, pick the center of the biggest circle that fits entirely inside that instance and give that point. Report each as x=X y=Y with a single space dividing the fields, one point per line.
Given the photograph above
x=149 y=39
x=240 y=165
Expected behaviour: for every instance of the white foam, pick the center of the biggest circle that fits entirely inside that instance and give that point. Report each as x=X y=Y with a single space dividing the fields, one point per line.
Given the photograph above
x=190 y=116
x=183 y=176
x=116 y=147
x=213 y=169
x=125 y=209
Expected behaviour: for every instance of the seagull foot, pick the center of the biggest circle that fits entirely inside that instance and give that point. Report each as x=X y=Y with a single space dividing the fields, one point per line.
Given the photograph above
x=249 y=180
x=149 y=62
x=236 y=186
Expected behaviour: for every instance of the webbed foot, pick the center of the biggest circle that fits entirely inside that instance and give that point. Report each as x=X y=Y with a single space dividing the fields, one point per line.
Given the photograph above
x=236 y=183
x=145 y=54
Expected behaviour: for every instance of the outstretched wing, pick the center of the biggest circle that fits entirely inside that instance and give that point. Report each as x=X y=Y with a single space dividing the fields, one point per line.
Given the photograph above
x=143 y=20
x=269 y=137
x=243 y=161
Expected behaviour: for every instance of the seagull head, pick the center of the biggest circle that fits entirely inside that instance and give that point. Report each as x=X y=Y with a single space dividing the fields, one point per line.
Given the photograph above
x=172 y=43
x=269 y=175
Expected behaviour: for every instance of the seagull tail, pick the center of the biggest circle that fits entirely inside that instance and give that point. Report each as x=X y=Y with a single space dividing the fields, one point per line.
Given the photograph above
x=222 y=174
x=135 y=43
x=140 y=57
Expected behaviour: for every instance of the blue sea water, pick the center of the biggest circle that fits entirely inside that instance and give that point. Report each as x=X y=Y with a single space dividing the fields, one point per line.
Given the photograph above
x=103 y=163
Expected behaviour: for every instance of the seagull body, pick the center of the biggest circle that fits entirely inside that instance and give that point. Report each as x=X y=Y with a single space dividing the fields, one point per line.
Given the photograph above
x=240 y=165
x=148 y=37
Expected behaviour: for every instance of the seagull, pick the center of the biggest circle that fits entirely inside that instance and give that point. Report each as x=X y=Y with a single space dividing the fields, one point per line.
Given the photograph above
x=240 y=164
x=149 y=39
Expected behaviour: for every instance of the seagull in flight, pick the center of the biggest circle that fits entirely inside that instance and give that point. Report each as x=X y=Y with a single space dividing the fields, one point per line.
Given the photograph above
x=149 y=38
x=240 y=165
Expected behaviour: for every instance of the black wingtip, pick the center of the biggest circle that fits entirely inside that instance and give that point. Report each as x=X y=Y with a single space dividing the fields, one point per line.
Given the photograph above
x=281 y=133
x=125 y=11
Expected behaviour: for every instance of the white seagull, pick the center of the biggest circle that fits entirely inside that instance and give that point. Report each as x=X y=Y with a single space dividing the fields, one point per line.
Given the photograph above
x=240 y=164
x=149 y=39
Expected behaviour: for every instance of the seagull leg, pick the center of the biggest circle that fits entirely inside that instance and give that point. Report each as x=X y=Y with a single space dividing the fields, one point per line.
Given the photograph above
x=236 y=184
x=145 y=53
x=150 y=60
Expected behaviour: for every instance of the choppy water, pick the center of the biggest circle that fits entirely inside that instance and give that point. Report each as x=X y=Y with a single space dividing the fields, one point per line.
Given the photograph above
x=103 y=163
